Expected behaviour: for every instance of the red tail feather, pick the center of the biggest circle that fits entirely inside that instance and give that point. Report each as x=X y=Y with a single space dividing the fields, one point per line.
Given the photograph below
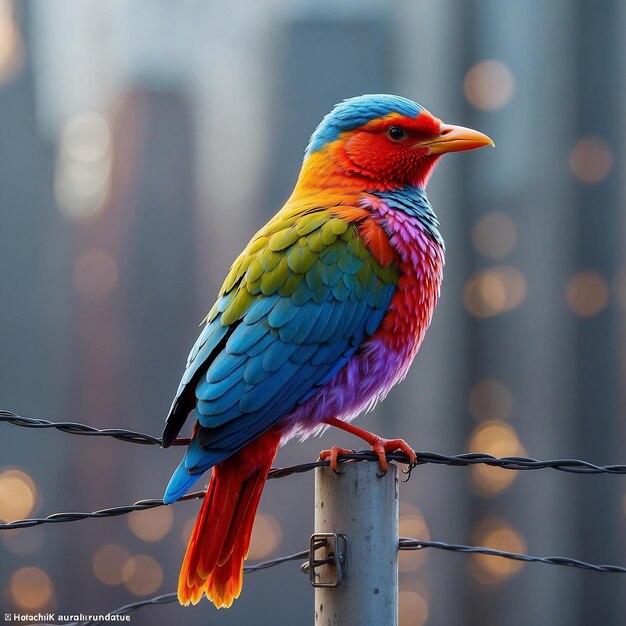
x=220 y=539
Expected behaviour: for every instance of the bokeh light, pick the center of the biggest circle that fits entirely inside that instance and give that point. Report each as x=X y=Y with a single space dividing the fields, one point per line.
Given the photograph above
x=494 y=235
x=18 y=494
x=591 y=159
x=494 y=291
x=495 y=533
x=411 y=524
x=498 y=439
x=587 y=293
x=95 y=274
x=489 y=85
x=490 y=399
x=31 y=589
x=266 y=536
x=142 y=575
x=11 y=43
x=83 y=166
x=412 y=609
x=153 y=524
x=108 y=563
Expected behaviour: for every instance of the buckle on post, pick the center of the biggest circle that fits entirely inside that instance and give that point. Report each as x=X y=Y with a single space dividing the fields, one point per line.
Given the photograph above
x=335 y=547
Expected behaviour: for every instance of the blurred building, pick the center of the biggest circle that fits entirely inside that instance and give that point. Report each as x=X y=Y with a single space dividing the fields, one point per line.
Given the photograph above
x=143 y=143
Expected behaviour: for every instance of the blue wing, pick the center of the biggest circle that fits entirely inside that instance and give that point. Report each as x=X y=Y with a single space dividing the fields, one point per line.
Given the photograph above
x=248 y=370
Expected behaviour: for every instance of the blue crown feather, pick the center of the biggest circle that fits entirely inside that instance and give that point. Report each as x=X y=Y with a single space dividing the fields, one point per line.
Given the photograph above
x=354 y=112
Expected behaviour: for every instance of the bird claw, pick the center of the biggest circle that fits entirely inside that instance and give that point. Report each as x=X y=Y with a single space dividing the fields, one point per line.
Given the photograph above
x=380 y=446
x=332 y=454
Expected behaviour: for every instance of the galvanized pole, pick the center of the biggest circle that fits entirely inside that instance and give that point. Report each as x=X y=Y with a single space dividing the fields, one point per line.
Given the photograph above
x=363 y=507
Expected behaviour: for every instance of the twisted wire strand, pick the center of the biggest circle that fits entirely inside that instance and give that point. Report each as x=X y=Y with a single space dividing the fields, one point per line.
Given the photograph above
x=115 y=511
x=459 y=460
x=405 y=543
x=515 y=463
x=415 y=544
x=75 y=428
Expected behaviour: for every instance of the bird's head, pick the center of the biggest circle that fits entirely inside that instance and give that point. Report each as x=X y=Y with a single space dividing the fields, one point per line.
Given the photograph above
x=388 y=140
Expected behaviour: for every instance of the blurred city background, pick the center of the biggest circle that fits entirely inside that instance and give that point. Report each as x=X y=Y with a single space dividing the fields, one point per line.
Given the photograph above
x=142 y=144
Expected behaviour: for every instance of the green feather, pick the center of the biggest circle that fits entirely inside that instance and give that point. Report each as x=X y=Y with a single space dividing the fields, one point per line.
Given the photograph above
x=314 y=276
x=290 y=285
x=300 y=258
x=283 y=239
x=271 y=281
x=238 y=307
x=255 y=270
x=338 y=226
x=327 y=233
x=357 y=247
x=310 y=223
x=315 y=242
x=269 y=259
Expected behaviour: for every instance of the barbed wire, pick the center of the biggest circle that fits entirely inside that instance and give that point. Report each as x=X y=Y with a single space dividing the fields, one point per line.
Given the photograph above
x=515 y=463
x=459 y=460
x=75 y=428
x=405 y=543
x=115 y=511
x=280 y=472
x=416 y=544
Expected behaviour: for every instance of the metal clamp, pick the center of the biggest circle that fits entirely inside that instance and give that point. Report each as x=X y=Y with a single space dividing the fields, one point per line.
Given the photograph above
x=335 y=546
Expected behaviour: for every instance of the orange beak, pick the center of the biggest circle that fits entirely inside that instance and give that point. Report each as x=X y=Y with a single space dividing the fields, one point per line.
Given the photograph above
x=455 y=139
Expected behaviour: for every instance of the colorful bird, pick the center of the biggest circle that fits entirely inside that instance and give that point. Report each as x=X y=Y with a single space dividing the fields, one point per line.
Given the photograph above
x=319 y=316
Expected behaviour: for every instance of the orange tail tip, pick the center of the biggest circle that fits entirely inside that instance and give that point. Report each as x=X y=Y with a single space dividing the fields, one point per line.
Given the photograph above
x=219 y=542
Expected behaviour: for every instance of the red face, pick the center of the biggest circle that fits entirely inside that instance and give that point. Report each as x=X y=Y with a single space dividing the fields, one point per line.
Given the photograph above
x=394 y=149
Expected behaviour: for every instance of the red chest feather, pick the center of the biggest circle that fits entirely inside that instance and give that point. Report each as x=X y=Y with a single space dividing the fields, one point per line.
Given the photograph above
x=420 y=260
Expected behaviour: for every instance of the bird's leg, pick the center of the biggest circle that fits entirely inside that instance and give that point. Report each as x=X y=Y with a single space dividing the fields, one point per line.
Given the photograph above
x=379 y=444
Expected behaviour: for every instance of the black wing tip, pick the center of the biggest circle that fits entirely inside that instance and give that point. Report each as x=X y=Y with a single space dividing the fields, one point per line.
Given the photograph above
x=168 y=437
x=174 y=422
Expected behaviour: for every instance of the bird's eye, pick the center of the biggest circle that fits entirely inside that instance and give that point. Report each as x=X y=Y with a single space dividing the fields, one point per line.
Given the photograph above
x=396 y=133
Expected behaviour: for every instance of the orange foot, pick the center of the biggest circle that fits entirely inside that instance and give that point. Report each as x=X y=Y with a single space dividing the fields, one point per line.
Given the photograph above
x=379 y=445
x=332 y=454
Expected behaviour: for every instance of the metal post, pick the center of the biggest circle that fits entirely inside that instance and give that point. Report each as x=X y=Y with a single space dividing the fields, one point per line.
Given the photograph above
x=362 y=506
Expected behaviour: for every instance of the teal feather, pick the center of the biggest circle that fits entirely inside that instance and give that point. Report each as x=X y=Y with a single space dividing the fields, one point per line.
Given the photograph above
x=215 y=332
x=223 y=365
x=255 y=373
x=302 y=294
x=224 y=402
x=262 y=345
x=210 y=420
x=277 y=354
x=303 y=353
x=282 y=313
x=261 y=395
x=349 y=264
x=211 y=391
x=260 y=309
x=245 y=336
x=314 y=276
